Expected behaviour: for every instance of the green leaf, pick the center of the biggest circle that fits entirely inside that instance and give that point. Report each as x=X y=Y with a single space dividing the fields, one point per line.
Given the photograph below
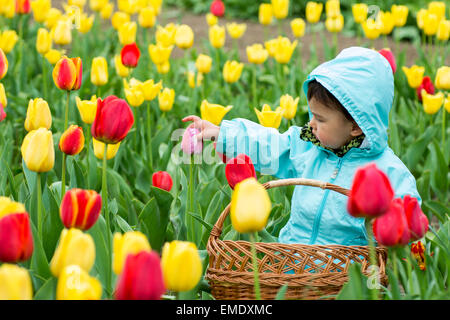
x=355 y=288
x=123 y=225
x=155 y=225
x=47 y=291
x=416 y=151
x=39 y=265
x=281 y=292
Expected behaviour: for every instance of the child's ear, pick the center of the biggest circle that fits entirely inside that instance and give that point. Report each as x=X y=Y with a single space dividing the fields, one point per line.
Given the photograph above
x=356 y=130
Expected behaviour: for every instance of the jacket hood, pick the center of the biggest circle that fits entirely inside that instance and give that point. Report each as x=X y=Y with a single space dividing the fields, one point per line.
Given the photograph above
x=362 y=80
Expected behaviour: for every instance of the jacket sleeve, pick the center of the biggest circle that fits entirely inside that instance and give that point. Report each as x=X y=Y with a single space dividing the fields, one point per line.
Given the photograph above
x=271 y=152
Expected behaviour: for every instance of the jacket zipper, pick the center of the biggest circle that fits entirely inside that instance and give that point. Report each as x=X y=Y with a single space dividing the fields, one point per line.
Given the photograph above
x=316 y=224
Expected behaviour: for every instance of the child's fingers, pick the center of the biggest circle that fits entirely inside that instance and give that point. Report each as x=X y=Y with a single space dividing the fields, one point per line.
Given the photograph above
x=191 y=118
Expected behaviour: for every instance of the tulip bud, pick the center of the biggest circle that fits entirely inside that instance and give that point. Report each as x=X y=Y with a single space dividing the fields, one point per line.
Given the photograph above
x=335 y=24
x=3 y=64
x=432 y=103
x=414 y=75
x=443 y=31
x=400 y=14
x=372 y=28
x=236 y=30
x=99 y=149
x=184 y=37
x=427 y=85
x=289 y=106
x=165 y=36
x=232 y=71
x=135 y=96
x=99 y=71
x=359 y=11
x=40 y=9
x=15 y=283
x=217 y=8
x=217 y=36
x=43 y=41
x=239 y=169
x=151 y=89
x=131 y=242
x=159 y=53
x=391 y=229
x=265 y=13
x=72 y=140
x=8 y=8
x=8 y=40
x=387 y=53
x=23 y=6
x=437 y=8
x=62 y=33
x=141 y=278
x=284 y=49
x=53 y=56
x=74 y=283
x=38 y=115
x=257 y=54
x=203 y=63
x=298 y=27
x=166 y=99
x=269 y=118
x=130 y=55
x=87 y=109
x=119 y=18
x=417 y=220
x=280 y=8
x=212 y=112
x=86 y=23
x=147 y=17
x=127 y=33
x=211 y=19
x=162 y=180
x=442 y=80
x=67 y=73
x=181 y=265
x=74 y=247
x=313 y=11
x=113 y=120
x=121 y=70
x=189 y=142
x=430 y=23
x=38 y=150
x=107 y=10
x=250 y=206
x=52 y=17
x=387 y=22
x=97 y=5
x=80 y=208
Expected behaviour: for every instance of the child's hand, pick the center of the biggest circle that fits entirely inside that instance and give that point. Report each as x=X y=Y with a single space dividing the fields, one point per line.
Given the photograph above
x=208 y=131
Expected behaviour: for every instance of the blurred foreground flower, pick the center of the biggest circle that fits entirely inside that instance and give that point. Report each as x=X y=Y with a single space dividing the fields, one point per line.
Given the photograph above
x=217 y=8
x=132 y=242
x=15 y=283
x=239 y=169
x=74 y=283
x=99 y=149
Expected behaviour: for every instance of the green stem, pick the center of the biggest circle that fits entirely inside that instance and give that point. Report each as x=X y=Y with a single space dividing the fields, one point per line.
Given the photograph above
x=191 y=197
x=253 y=237
x=44 y=78
x=107 y=219
x=39 y=205
x=66 y=112
x=218 y=65
x=88 y=143
x=149 y=137
x=444 y=145
x=63 y=176
x=372 y=255
x=394 y=262
x=254 y=93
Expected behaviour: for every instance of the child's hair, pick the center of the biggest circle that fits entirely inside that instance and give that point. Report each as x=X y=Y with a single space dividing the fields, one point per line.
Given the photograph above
x=321 y=94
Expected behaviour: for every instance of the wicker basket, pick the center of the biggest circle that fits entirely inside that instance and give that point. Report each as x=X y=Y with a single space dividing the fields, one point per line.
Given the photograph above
x=310 y=271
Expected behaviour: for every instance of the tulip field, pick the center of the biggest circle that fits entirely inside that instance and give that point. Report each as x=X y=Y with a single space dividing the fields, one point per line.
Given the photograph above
x=105 y=193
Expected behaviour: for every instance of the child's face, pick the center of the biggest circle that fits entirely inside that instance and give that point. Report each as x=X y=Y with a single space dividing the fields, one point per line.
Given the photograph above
x=330 y=126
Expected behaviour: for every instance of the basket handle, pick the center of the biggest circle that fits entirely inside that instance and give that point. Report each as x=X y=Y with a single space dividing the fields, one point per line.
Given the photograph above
x=217 y=229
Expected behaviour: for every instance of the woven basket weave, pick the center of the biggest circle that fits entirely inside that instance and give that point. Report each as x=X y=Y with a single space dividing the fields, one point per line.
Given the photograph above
x=310 y=271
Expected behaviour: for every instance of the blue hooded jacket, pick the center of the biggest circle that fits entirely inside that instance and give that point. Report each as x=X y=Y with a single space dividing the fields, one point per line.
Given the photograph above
x=362 y=80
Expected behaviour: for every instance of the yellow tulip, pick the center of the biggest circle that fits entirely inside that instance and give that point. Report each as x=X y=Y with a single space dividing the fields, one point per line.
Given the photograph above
x=163 y=68
x=359 y=11
x=313 y=11
x=217 y=36
x=53 y=15
x=121 y=70
x=430 y=24
x=119 y=18
x=232 y=71
x=8 y=40
x=7 y=206
x=269 y=118
x=332 y=8
x=53 y=56
x=38 y=115
x=15 y=283
x=211 y=19
x=414 y=75
x=443 y=31
x=79 y=3
x=131 y=242
x=250 y=206
x=38 y=150
x=86 y=23
x=437 y=8
x=265 y=13
x=107 y=10
x=87 y=109
x=212 y=112
x=421 y=17
x=166 y=99
x=156 y=4
x=257 y=54
x=372 y=28
x=236 y=30
x=99 y=71
x=40 y=9
x=442 y=79
x=400 y=14
x=284 y=49
x=62 y=32
x=181 y=265
x=192 y=81
x=99 y=149
x=447 y=103
x=127 y=33
x=74 y=283
x=387 y=22
x=298 y=27
x=43 y=41
x=271 y=46
x=74 y=247
x=3 y=99
x=135 y=97
x=203 y=63
x=159 y=53
x=289 y=106
x=97 y=5
x=184 y=37
x=432 y=102
x=147 y=17
x=280 y=8
x=151 y=89
x=166 y=36
x=8 y=8
x=335 y=24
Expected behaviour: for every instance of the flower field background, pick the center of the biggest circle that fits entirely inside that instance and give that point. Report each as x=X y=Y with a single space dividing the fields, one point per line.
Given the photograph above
x=132 y=197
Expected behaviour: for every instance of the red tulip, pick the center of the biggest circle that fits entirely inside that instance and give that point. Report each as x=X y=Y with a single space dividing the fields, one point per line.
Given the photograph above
x=67 y=73
x=2 y=113
x=79 y=69
x=417 y=220
x=72 y=140
x=426 y=84
x=162 y=180
x=391 y=229
x=418 y=252
x=238 y=169
x=113 y=120
x=387 y=53
x=80 y=208
x=141 y=278
x=217 y=8
x=371 y=193
x=16 y=239
x=3 y=64
x=130 y=55
x=23 y=6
